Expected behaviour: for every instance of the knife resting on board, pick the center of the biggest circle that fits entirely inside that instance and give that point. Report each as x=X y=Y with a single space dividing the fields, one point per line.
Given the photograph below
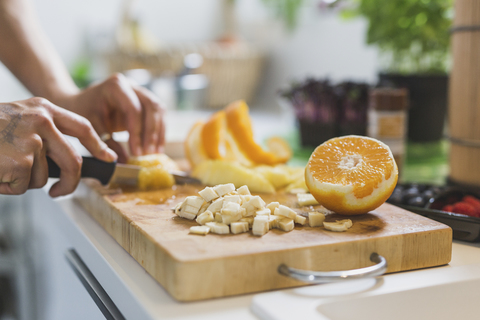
x=106 y=172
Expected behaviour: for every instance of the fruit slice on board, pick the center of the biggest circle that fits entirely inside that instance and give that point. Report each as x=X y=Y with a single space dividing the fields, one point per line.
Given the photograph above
x=213 y=172
x=213 y=136
x=194 y=150
x=280 y=148
x=240 y=128
x=352 y=174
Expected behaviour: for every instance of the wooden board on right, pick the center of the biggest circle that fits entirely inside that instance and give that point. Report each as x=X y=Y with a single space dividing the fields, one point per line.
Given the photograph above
x=192 y=267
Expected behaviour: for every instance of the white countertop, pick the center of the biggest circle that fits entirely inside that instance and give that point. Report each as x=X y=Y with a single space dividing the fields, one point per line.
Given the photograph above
x=139 y=296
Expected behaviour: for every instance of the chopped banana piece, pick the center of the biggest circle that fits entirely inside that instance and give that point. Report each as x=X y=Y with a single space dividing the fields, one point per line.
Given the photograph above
x=300 y=219
x=216 y=206
x=347 y=222
x=231 y=212
x=260 y=225
x=208 y=194
x=218 y=228
x=231 y=208
x=218 y=217
x=239 y=227
x=338 y=226
x=306 y=199
x=190 y=207
x=285 y=211
x=205 y=217
x=228 y=219
x=233 y=198
x=263 y=212
x=273 y=221
x=203 y=230
x=272 y=206
x=203 y=208
x=223 y=189
x=297 y=191
x=315 y=219
x=243 y=190
x=249 y=220
x=257 y=202
x=286 y=224
x=177 y=207
x=246 y=197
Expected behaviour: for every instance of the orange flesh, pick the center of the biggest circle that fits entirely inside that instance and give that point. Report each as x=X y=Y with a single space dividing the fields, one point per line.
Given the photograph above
x=362 y=163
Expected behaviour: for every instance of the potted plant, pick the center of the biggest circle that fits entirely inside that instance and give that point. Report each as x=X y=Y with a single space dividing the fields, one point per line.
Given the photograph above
x=413 y=38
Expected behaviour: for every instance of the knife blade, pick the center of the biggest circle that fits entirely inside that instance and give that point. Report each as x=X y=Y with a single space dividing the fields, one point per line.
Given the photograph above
x=118 y=173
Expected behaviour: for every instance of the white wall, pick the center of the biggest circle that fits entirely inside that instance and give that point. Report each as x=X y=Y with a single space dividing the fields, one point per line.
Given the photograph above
x=322 y=45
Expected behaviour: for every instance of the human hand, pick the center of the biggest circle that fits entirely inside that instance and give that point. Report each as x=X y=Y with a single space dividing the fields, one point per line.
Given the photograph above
x=32 y=129
x=117 y=105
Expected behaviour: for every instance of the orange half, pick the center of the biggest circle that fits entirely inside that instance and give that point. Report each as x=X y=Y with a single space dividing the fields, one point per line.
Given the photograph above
x=352 y=174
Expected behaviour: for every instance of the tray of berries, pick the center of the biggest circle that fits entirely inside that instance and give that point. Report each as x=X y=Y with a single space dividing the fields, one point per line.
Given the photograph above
x=454 y=206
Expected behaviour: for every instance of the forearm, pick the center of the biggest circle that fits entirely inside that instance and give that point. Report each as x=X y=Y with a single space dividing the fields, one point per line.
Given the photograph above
x=28 y=54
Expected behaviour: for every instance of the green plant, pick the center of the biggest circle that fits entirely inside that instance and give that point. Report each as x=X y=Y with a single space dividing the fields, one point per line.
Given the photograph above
x=413 y=35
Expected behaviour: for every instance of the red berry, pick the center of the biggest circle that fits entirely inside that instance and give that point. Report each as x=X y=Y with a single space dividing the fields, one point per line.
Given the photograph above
x=464 y=208
x=474 y=202
x=448 y=208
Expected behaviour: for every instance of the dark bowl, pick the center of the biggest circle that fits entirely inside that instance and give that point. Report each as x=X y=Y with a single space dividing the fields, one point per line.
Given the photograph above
x=465 y=228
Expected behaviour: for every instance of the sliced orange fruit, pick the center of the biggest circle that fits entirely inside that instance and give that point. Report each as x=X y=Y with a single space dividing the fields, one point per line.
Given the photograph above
x=240 y=128
x=213 y=136
x=352 y=174
x=194 y=149
x=280 y=148
x=155 y=171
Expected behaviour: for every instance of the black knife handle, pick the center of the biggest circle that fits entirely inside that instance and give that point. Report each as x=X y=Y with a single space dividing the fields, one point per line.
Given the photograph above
x=91 y=168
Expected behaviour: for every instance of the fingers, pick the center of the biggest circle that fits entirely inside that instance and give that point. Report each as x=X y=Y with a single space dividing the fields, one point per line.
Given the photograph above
x=39 y=173
x=74 y=125
x=119 y=150
x=15 y=174
x=121 y=94
x=153 y=121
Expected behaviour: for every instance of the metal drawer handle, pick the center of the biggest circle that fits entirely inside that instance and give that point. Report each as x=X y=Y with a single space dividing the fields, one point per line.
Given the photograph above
x=332 y=276
x=93 y=287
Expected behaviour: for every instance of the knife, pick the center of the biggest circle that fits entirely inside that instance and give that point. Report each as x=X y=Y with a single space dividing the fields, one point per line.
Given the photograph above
x=118 y=173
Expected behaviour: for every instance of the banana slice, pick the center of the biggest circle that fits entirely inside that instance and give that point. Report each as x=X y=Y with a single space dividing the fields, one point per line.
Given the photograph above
x=203 y=230
x=306 y=199
x=338 y=226
x=315 y=219
x=285 y=212
x=218 y=228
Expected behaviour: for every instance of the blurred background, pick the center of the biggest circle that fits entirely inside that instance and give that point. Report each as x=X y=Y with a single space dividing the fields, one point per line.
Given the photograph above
x=321 y=67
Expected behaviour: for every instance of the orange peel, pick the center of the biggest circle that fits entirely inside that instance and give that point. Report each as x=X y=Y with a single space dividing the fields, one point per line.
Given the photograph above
x=240 y=128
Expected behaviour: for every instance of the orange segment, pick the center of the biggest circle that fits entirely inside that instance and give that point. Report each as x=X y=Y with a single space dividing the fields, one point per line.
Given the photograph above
x=213 y=134
x=240 y=127
x=194 y=150
x=351 y=174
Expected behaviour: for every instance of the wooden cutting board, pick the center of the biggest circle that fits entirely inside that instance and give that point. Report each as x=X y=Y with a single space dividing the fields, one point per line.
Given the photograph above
x=192 y=267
